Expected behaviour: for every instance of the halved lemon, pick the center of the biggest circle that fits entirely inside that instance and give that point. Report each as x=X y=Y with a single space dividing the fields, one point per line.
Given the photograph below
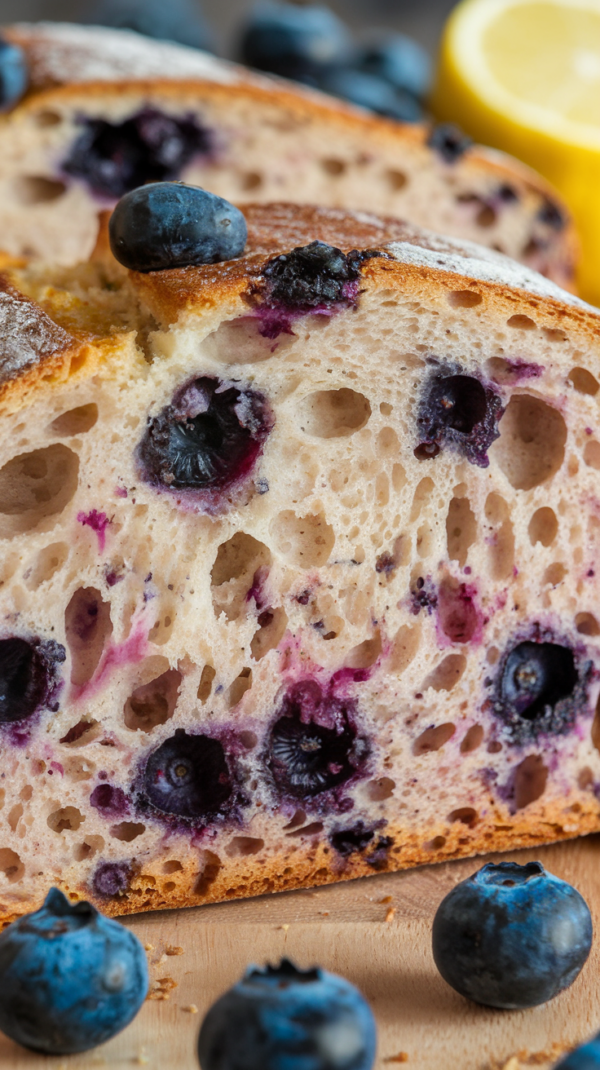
x=524 y=76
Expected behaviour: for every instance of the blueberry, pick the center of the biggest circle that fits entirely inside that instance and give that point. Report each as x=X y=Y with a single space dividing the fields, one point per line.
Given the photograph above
x=449 y=141
x=13 y=74
x=109 y=800
x=294 y=42
x=283 y=1017
x=398 y=60
x=312 y=276
x=29 y=676
x=188 y=776
x=511 y=936
x=69 y=978
x=538 y=690
x=170 y=225
x=372 y=91
x=458 y=410
x=179 y=20
x=209 y=437
x=314 y=745
x=111 y=878
x=115 y=158
x=586 y=1057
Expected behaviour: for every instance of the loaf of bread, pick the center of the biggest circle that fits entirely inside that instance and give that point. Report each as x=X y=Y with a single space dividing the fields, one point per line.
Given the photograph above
x=109 y=110
x=298 y=565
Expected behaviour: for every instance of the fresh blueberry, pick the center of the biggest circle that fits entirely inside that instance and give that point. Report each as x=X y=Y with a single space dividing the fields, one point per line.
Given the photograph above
x=294 y=42
x=282 y=1017
x=111 y=878
x=29 y=676
x=188 y=776
x=449 y=141
x=458 y=410
x=398 y=60
x=372 y=91
x=312 y=276
x=314 y=745
x=209 y=437
x=115 y=158
x=69 y=978
x=511 y=936
x=13 y=74
x=586 y=1057
x=179 y=20
x=538 y=690
x=170 y=225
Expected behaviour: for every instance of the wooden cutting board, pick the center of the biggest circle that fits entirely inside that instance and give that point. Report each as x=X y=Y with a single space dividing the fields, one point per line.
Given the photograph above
x=377 y=933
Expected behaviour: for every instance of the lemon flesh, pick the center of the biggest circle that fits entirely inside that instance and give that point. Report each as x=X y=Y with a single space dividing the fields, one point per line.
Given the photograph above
x=524 y=76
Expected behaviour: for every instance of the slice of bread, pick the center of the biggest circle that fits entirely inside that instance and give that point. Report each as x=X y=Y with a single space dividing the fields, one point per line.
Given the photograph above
x=109 y=110
x=298 y=565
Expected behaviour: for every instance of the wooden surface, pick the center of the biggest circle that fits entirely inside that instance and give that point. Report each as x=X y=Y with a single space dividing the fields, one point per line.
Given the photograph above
x=344 y=928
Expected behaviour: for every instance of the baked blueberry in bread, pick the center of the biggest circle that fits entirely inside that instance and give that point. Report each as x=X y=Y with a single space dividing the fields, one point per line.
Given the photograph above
x=108 y=110
x=298 y=565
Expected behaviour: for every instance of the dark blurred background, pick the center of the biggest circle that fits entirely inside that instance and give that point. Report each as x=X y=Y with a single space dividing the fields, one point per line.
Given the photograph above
x=421 y=19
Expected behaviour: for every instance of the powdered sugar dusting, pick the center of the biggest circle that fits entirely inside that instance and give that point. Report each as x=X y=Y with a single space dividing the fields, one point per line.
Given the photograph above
x=467 y=258
x=27 y=334
x=60 y=53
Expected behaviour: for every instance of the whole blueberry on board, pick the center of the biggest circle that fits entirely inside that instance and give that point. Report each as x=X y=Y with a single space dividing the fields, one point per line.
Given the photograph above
x=69 y=977
x=511 y=936
x=371 y=91
x=170 y=225
x=585 y=1057
x=398 y=60
x=282 y=1017
x=294 y=42
x=13 y=74
x=179 y=20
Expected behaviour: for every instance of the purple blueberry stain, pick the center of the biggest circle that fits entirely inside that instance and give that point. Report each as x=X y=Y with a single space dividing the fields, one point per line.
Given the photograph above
x=114 y=158
x=314 y=746
x=457 y=411
x=206 y=441
x=188 y=778
x=423 y=596
x=109 y=800
x=459 y=620
x=111 y=879
x=30 y=678
x=98 y=522
x=315 y=278
x=540 y=688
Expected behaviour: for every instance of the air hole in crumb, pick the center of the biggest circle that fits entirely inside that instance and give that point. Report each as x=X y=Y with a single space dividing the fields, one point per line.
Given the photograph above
x=308 y=830
x=396 y=180
x=298 y=818
x=67 y=818
x=543 y=526
x=334 y=167
x=127 y=831
x=404 y=648
x=211 y=864
x=472 y=740
x=206 y=682
x=248 y=739
x=172 y=866
x=88 y=626
x=531 y=447
x=436 y=843
x=11 y=865
x=464 y=298
x=447 y=674
x=153 y=703
x=251 y=180
x=82 y=733
x=239 y=564
x=47 y=118
x=591 y=454
x=36 y=189
x=365 y=654
x=239 y=341
x=433 y=738
x=333 y=413
x=242 y=846
x=554 y=574
x=522 y=323
x=465 y=814
x=238 y=688
x=529 y=781
x=35 y=486
x=90 y=846
x=78 y=768
x=587 y=624
x=596 y=726
x=378 y=790
x=272 y=624
x=457 y=613
x=461 y=529
x=304 y=541
x=75 y=421
x=584 y=382
x=48 y=562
